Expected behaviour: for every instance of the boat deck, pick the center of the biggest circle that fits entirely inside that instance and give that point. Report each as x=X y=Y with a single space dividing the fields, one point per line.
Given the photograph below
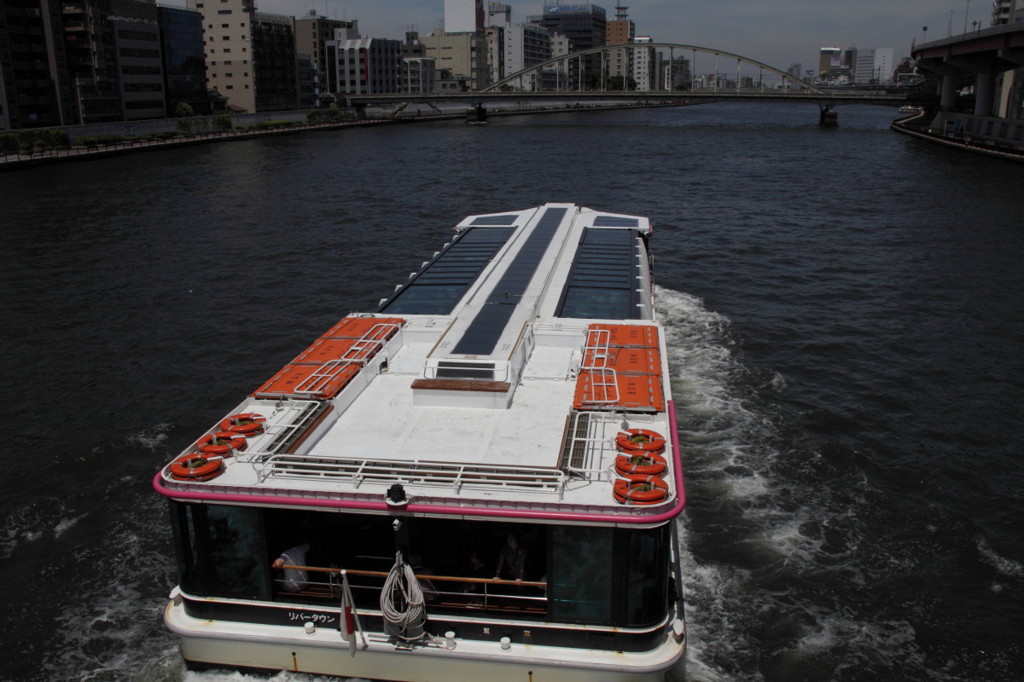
x=501 y=402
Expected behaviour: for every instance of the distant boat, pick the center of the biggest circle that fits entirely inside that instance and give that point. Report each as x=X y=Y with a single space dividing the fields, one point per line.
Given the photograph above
x=829 y=117
x=910 y=109
x=476 y=115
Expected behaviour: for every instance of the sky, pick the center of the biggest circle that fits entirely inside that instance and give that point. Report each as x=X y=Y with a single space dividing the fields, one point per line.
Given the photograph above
x=776 y=32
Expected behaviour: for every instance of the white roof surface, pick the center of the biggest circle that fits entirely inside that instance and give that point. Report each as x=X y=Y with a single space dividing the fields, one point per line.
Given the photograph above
x=496 y=443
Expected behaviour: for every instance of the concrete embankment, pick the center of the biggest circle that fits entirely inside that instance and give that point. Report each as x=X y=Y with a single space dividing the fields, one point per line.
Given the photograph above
x=85 y=147
x=918 y=126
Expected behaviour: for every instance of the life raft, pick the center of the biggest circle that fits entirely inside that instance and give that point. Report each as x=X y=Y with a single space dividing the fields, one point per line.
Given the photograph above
x=221 y=443
x=640 y=440
x=648 y=490
x=247 y=424
x=633 y=464
x=196 y=466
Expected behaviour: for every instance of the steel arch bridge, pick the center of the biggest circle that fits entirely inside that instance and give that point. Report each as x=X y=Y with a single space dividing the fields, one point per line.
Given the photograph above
x=563 y=64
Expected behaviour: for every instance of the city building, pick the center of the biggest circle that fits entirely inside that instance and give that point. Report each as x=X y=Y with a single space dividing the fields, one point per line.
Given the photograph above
x=874 y=66
x=365 y=66
x=676 y=73
x=463 y=16
x=498 y=14
x=828 y=58
x=646 y=66
x=312 y=34
x=307 y=81
x=275 y=76
x=419 y=74
x=135 y=31
x=585 y=25
x=620 y=31
x=512 y=47
x=91 y=73
x=463 y=54
x=184 y=59
x=228 y=26
x=31 y=63
x=494 y=39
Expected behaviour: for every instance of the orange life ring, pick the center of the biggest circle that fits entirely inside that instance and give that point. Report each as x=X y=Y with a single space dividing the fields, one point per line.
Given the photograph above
x=196 y=466
x=247 y=424
x=221 y=443
x=648 y=490
x=633 y=440
x=640 y=463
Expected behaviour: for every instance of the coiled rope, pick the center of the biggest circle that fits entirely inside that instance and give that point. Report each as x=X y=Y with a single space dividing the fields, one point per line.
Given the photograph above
x=401 y=602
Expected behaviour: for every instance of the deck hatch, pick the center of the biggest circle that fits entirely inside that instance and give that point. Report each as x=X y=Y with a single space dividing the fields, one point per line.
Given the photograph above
x=483 y=333
x=507 y=219
x=603 y=281
x=615 y=221
x=439 y=284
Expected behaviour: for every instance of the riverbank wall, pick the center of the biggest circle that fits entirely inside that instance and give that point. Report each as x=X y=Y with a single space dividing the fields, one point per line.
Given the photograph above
x=97 y=141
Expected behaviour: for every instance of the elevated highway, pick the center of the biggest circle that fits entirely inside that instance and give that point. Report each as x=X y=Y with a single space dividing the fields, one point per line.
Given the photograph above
x=975 y=57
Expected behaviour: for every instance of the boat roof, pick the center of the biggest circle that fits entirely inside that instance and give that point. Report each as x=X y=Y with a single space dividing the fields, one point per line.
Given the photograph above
x=504 y=378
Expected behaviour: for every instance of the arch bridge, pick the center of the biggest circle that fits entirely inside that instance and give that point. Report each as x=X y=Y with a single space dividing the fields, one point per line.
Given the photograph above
x=568 y=73
x=591 y=75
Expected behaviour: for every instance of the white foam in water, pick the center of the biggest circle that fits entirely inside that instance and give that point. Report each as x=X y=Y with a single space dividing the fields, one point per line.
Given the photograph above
x=151 y=438
x=1007 y=567
x=770 y=526
x=65 y=524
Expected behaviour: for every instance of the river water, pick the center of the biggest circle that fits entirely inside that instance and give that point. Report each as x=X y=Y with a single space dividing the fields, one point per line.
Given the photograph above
x=844 y=311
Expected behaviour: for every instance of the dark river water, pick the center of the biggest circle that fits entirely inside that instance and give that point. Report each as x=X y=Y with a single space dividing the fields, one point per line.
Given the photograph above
x=847 y=332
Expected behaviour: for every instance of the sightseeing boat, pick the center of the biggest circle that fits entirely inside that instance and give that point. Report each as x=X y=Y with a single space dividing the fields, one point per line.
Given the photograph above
x=480 y=480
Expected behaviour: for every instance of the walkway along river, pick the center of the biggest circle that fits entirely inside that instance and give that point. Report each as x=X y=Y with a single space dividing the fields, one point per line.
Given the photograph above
x=844 y=313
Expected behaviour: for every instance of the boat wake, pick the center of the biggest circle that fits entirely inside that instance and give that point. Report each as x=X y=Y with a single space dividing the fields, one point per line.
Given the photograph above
x=772 y=531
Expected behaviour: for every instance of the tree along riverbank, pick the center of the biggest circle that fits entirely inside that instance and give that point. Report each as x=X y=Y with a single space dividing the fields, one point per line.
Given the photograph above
x=102 y=146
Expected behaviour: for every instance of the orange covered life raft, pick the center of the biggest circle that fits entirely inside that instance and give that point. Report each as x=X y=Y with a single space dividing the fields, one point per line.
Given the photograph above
x=324 y=368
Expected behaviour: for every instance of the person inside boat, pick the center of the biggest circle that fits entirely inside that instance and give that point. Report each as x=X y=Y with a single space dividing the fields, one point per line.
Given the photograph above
x=475 y=569
x=511 y=561
x=295 y=579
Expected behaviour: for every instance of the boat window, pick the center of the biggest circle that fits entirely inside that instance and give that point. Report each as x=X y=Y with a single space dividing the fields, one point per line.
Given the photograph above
x=562 y=573
x=646 y=575
x=238 y=566
x=183 y=529
x=580 y=574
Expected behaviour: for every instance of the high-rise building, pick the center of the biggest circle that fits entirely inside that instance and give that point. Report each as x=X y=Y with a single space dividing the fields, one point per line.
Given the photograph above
x=463 y=54
x=275 y=74
x=874 y=65
x=646 y=66
x=312 y=33
x=184 y=59
x=135 y=31
x=498 y=14
x=586 y=27
x=620 y=31
x=32 y=66
x=228 y=26
x=513 y=47
x=828 y=57
x=463 y=16
x=365 y=66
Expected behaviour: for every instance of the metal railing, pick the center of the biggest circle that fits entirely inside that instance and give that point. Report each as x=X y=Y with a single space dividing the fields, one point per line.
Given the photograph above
x=443 y=591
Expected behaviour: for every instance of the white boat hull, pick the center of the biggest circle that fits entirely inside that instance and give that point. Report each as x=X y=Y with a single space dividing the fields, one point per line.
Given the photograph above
x=323 y=652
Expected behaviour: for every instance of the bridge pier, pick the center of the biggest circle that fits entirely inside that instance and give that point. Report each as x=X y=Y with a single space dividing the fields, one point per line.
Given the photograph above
x=947 y=96
x=984 y=85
